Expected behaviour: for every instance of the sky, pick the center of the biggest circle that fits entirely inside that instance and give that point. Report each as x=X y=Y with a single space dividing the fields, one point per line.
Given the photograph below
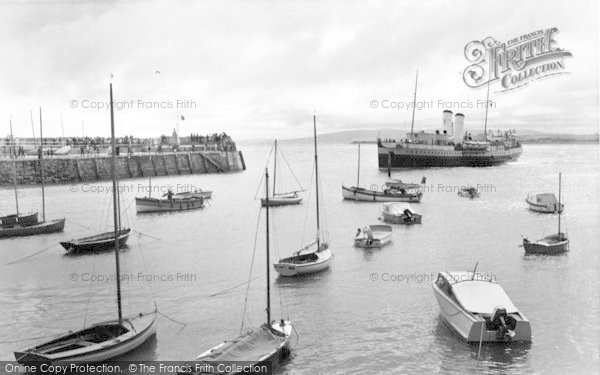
x=260 y=69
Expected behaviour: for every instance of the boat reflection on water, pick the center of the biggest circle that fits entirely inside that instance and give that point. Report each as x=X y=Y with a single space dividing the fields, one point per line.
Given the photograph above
x=493 y=357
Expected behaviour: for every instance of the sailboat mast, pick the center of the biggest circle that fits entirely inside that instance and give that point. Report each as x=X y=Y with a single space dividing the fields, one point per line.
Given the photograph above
x=115 y=201
x=275 y=169
x=14 y=156
x=559 y=204
x=358 y=174
x=268 y=248
x=412 y=122
x=317 y=183
x=42 y=169
x=487 y=106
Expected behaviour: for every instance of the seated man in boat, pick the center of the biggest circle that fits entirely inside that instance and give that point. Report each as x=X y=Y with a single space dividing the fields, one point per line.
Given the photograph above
x=169 y=194
x=358 y=233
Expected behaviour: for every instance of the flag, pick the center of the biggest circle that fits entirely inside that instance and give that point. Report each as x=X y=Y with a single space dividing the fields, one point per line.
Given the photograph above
x=182 y=118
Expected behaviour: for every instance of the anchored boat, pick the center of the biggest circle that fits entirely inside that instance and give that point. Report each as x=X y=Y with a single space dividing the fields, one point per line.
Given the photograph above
x=544 y=203
x=99 y=242
x=315 y=256
x=393 y=191
x=283 y=198
x=268 y=342
x=28 y=224
x=557 y=243
x=101 y=341
x=478 y=309
x=395 y=213
x=373 y=236
x=468 y=191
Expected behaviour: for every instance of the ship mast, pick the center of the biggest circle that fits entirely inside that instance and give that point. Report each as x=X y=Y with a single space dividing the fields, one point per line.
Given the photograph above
x=14 y=156
x=317 y=183
x=412 y=122
x=115 y=202
x=559 y=206
x=42 y=168
x=275 y=169
x=268 y=248
x=358 y=175
x=487 y=105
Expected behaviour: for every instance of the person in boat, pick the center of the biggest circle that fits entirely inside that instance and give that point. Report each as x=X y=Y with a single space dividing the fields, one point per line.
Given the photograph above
x=369 y=235
x=169 y=194
x=358 y=233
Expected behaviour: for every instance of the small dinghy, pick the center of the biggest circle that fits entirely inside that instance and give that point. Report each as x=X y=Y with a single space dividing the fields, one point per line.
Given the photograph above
x=173 y=203
x=395 y=213
x=373 y=236
x=544 y=203
x=99 y=242
x=553 y=244
x=468 y=191
x=477 y=308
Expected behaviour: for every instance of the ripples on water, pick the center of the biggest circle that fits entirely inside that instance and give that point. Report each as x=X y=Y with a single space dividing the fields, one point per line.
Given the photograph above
x=347 y=323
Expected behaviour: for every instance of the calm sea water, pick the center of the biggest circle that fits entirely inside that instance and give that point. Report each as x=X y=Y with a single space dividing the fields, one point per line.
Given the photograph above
x=351 y=319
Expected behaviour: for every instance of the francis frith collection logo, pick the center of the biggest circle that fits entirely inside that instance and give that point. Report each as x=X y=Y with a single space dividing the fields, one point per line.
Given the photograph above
x=516 y=62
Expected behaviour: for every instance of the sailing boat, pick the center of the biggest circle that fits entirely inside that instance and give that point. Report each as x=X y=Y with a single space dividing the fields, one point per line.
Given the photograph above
x=27 y=224
x=554 y=243
x=393 y=191
x=309 y=259
x=105 y=340
x=281 y=199
x=257 y=346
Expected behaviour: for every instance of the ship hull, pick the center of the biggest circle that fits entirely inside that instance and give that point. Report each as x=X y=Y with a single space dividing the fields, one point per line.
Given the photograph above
x=406 y=157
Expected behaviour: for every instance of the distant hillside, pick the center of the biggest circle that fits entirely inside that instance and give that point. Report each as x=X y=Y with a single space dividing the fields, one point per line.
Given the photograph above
x=370 y=136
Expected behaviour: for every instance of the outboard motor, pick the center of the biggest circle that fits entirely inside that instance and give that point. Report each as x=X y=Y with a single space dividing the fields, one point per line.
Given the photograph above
x=499 y=320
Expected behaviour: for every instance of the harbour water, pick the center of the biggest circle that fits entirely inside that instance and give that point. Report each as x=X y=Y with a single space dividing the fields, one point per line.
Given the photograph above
x=372 y=312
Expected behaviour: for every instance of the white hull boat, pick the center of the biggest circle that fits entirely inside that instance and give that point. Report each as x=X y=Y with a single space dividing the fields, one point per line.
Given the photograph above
x=277 y=198
x=544 y=203
x=165 y=205
x=373 y=236
x=305 y=263
x=363 y=195
x=97 y=343
x=478 y=309
x=399 y=214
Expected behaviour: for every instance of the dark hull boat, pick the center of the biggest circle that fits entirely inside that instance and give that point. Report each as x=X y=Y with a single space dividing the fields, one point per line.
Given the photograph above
x=100 y=242
x=28 y=225
x=550 y=245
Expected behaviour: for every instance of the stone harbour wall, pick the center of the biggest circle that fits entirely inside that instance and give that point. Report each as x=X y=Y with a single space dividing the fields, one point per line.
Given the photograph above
x=58 y=170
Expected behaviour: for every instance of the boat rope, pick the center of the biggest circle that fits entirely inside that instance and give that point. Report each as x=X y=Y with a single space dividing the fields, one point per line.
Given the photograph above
x=32 y=255
x=290 y=168
x=251 y=268
x=139 y=243
x=171 y=319
x=73 y=222
x=27 y=339
x=234 y=287
x=140 y=234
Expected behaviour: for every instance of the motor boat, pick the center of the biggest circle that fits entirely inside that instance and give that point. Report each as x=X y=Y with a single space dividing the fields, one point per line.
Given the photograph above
x=468 y=191
x=477 y=308
x=395 y=213
x=544 y=203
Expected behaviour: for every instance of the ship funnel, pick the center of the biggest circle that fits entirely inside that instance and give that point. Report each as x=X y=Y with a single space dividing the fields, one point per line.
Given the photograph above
x=447 y=121
x=459 y=127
